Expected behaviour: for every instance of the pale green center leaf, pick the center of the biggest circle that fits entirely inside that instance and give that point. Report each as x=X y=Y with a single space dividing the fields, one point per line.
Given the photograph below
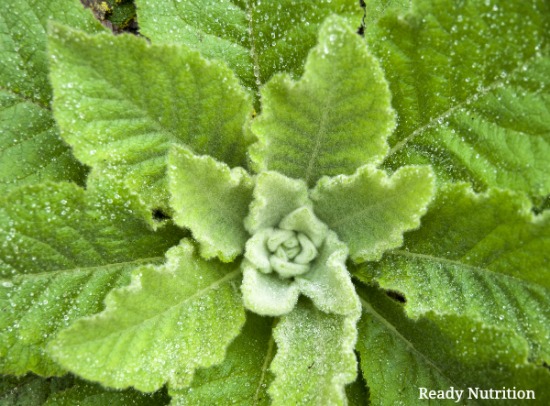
x=299 y=256
x=315 y=357
x=370 y=211
x=184 y=313
x=211 y=200
x=122 y=101
x=334 y=119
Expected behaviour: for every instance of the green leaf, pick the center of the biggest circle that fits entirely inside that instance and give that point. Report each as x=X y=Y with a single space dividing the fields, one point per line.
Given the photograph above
x=399 y=356
x=370 y=211
x=63 y=249
x=31 y=150
x=334 y=119
x=87 y=394
x=211 y=200
x=121 y=101
x=256 y=39
x=30 y=390
x=243 y=377
x=469 y=83
x=315 y=358
x=275 y=196
x=483 y=256
x=170 y=320
x=326 y=282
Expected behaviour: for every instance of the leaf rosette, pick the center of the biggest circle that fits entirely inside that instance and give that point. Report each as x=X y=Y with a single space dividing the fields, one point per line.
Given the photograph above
x=296 y=254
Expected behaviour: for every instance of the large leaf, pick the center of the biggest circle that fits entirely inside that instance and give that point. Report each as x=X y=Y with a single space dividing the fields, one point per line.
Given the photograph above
x=370 y=211
x=243 y=377
x=63 y=249
x=469 y=81
x=211 y=200
x=483 y=256
x=87 y=394
x=170 y=320
x=30 y=147
x=315 y=358
x=123 y=102
x=334 y=119
x=255 y=38
x=31 y=390
x=400 y=356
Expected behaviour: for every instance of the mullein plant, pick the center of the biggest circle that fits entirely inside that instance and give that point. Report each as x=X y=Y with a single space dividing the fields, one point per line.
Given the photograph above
x=289 y=203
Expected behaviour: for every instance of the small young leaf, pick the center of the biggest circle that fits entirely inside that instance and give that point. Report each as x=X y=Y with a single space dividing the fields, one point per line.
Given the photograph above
x=31 y=150
x=121 y=101
x=334 y=119
x=275 y=196
x=483 y=256
x=168 y=322
x=211 y=200
x=315 y=358
x=469 y=82
x=370 y=211
x=63 y=249
x=243 y=377
x=255 y=38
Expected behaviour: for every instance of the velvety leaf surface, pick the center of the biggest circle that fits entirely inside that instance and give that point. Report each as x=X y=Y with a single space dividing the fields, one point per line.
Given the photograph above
x=275 y=196
x=370 y=211
x=121 y=101
x=243 y=377
x=469 y=83
x=30 y=147
x=334 y=119
x=399 y=355
x=62 y=250
x=255 y=38
x=483 y=256
x=315 y=358
x=211 y=200
x=170 y=320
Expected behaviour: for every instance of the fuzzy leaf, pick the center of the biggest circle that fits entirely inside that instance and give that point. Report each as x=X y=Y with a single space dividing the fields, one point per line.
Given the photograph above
x=121 y=101
x=31 y=150
x=63 y=249
x=399 y=355
x=170 y=320
x=315 y=358
x=211 y=200
x=469 y=83
x=483 y=256
x=256 y=39
x=334 y=119
x=370 y=211
x=275 y=196
x=243 y=377
x=328 y=284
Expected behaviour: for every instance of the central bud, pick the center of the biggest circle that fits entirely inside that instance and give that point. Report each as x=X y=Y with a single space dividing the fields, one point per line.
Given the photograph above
x=290 y=248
